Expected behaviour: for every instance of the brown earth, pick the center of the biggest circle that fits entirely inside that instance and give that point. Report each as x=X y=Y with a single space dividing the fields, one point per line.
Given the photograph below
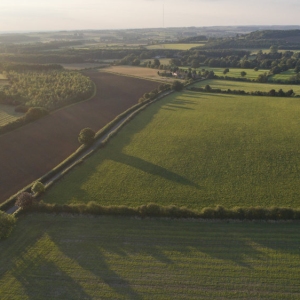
x=31 y=151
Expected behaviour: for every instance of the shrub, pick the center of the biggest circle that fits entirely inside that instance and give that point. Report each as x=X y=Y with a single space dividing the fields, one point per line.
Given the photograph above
x=86 y=136
x=177 y=86
x=7 y=223
x=24 y=199
x=35 y=113
x=38 y=187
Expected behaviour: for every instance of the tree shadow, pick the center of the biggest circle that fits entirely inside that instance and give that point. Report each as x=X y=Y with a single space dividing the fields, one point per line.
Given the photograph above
x=151 y=168
x=36 y=283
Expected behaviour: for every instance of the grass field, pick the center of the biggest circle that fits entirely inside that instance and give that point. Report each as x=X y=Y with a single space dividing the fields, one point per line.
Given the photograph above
x=175 y=46
x=8 y=114
x=251 y=74
x=196 y=150
x=247 y=86
x=81 y=66
x=141 y=72
x=285 y=76
x=65 y=257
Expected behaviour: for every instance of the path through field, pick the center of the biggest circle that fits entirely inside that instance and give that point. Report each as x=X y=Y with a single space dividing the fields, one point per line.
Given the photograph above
x=28 y=153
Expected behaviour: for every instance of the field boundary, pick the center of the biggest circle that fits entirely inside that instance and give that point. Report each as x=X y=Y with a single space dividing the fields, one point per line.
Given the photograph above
x=77 y=157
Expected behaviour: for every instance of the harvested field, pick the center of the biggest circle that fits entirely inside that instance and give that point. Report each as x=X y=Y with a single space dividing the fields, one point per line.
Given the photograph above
x=146 y=73
x=67 y=257
x=33 y=150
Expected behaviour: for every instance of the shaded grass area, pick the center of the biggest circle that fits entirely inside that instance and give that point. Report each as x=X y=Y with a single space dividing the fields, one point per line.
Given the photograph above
x=284 y=76
x=248 y=86
x=196 y=150
x=8 y=114
x=67 y=257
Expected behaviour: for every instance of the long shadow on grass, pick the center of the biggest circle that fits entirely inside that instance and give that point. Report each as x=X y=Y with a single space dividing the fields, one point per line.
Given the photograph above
x=151 y=168
x=35 y=281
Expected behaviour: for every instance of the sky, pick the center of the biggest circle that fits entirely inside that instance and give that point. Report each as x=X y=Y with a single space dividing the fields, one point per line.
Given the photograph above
x=45 y=15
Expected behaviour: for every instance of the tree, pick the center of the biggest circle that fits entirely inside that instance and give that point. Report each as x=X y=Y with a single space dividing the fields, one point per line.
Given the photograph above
x=177 y=86
x=38 y=187
x=274 y=49
x=225 y=71
x=86 y=136
x=24 y=199
x=7 y=223
x=243 y=73
x=207 y=88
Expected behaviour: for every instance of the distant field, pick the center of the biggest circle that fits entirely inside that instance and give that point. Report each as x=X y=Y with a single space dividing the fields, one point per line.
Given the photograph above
x=247 y=86
x=2 y=77
x=81 y=66
x=196 y=150
x=175 y=46
x=285 y=76
x=163 y=61
x=251 y=74
x=146 y=73
x=66 y=257
x=8 y=114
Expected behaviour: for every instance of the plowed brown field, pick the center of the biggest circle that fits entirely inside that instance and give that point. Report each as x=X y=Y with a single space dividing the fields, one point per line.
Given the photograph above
x=31 y=151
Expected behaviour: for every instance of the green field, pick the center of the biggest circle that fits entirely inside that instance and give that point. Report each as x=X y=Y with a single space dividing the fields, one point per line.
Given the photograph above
x=196 y=150
x=175 y=46
x=67 y=257
x=247 y=86
x=8 y=114
x=236 y=72
x=284 y=76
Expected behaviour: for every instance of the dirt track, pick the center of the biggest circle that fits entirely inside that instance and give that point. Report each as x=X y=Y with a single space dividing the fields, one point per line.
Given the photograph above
x=31 y=151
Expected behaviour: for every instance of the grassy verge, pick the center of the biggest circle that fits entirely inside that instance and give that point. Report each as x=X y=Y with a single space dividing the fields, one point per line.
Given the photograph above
x=196 y=150
x=122 y=258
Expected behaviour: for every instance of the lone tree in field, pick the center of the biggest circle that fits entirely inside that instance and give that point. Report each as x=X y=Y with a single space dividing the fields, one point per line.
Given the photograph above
x=86 y=136
x=177 y=86
x=24 y=200
x=243 y=73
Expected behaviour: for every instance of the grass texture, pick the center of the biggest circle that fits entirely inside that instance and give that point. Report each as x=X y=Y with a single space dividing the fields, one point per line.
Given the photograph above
x=248 y=86
x=196 y=150
x=65 y=257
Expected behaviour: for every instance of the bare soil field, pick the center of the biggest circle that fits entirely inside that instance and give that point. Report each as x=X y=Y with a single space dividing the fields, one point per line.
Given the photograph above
x=31 y=151
x=146 y=73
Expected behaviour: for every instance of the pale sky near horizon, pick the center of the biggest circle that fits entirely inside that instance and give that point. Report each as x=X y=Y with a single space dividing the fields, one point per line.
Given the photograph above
x=39 y=15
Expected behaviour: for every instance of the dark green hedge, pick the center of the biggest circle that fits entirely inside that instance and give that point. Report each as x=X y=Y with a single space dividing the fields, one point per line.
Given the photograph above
x=154 y=210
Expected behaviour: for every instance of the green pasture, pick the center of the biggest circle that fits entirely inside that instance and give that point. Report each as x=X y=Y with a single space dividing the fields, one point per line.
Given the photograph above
x=163 y=61
x=247 y=86
x=236 y=72
x=67 y=257
x=175 y=46
x=8 y=114
x=196 y=150
x=284 y=76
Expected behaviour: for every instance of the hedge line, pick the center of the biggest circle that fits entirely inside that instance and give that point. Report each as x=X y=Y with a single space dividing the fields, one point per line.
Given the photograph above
x=155 y=210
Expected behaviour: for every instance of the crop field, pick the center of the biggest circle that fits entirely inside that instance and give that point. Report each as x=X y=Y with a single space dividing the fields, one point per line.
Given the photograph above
x=65 y=257
x=31 y=151
x=8 y=114
x=163 y=61
x=141 y=72
x=247 y=86
x=175 y=46
x=196 y=150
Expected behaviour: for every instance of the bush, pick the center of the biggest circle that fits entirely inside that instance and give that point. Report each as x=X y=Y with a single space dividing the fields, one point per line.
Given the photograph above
x=38 y=187
x=7 y=223
x=86 y=136
x=177 y=86
x=35 y=113
x=25 y=199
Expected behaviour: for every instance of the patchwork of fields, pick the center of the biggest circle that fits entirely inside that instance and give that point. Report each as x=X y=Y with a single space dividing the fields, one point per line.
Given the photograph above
x=175 y=46
x=31 y=151
x=8 y=114
x=196 y=150
x=60 y=257
x=248 y=86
